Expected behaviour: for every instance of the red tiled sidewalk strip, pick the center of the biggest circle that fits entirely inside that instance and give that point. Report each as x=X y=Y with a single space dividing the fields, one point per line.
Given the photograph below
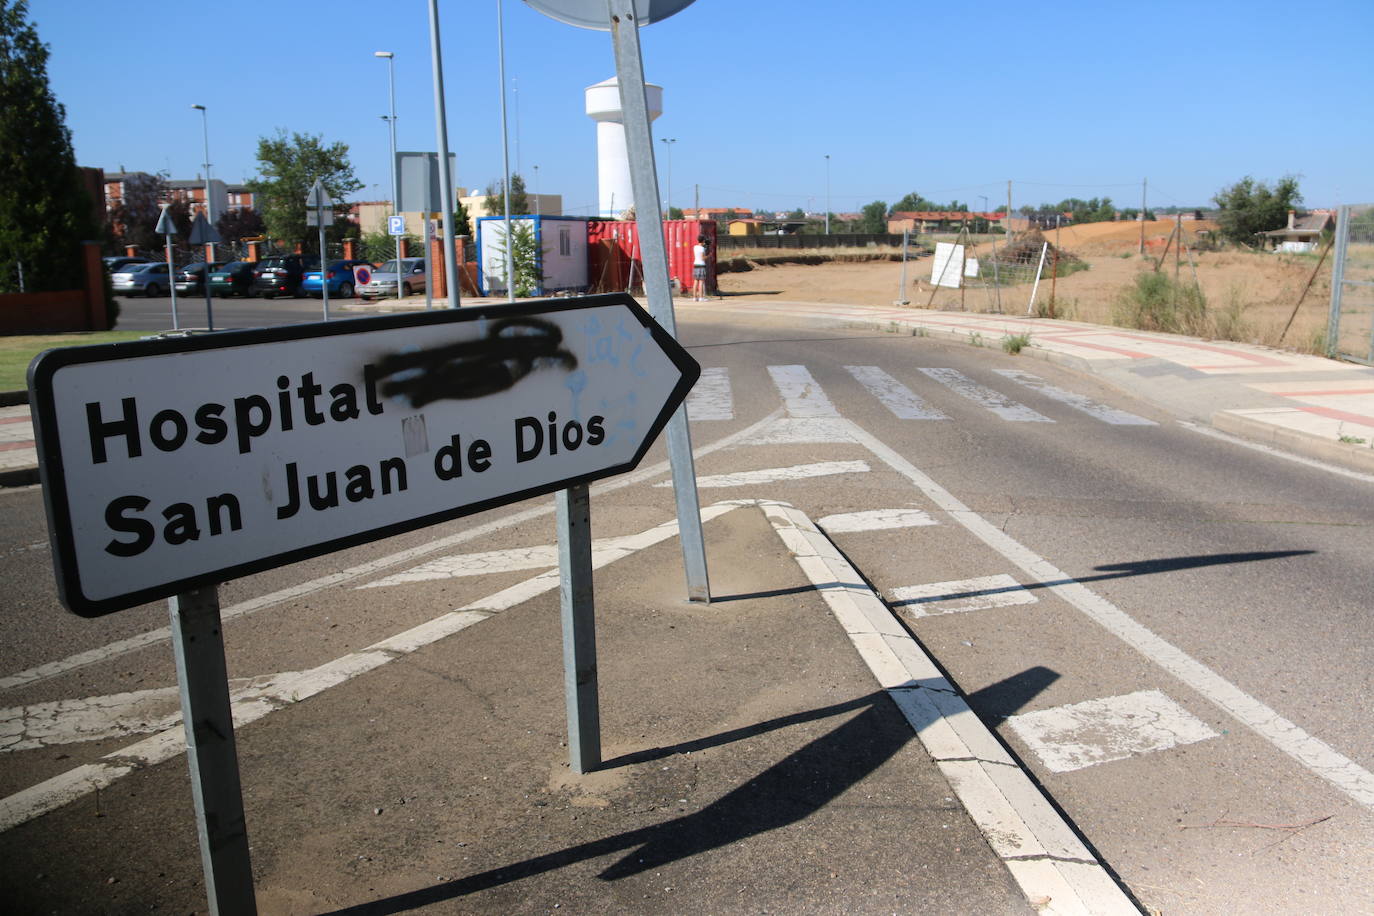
x=11 y=446
x=15 y=420
x=1337 y=414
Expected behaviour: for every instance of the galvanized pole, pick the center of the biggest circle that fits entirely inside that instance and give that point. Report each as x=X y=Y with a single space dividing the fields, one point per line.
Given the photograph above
x=1333 y=321
x=172 y=280
x=441 y=131
x=639 y=143
x=505 y=155
x=198 y=645
x=579 y=628
x=901 y=290
x=324 y=265
x=395 y=185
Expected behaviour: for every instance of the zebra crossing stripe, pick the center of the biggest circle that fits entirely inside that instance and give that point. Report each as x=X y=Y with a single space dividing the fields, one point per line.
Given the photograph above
x=801 y=396
x=875 y=520
x=772 y=475
x=994 y=401
x=960 y=595
x=904 y=403
x=1076 y=401
x=711 y=397
x=1080 y=735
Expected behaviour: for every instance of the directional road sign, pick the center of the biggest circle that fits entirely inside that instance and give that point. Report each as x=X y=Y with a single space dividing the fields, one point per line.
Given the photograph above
x=171 y=464
x=592 y=14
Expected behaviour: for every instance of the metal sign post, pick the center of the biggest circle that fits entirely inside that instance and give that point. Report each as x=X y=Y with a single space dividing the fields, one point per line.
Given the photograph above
x=198 y=644
x=166 y=228
x=901 y=290
x=579 y=628
x=202 y=233
x=320 y=212
x=622 y=18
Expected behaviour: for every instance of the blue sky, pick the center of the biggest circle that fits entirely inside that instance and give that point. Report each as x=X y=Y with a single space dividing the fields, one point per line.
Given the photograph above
x=948 y=99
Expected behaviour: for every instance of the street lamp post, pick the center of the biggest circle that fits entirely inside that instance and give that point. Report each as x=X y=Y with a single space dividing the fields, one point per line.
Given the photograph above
x=209 y=208
x=827 y=193
x=395 y=188
x=670 y=143
x=538 y=204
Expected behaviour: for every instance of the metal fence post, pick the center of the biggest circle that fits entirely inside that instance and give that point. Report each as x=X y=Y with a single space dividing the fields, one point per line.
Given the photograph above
x=1333 y=321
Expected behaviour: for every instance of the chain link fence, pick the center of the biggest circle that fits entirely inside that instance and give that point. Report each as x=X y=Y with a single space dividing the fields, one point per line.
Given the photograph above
x=1350 y=329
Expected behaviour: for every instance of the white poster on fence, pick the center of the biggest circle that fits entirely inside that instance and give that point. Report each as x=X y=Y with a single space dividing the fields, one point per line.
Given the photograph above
x=949 y=259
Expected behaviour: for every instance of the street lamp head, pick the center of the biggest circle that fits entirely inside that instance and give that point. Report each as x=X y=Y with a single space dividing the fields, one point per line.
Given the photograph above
x=198 y=107
x=387 y=54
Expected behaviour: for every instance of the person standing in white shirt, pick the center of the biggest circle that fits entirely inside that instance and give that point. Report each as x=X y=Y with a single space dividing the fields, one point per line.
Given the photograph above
x=699 y=268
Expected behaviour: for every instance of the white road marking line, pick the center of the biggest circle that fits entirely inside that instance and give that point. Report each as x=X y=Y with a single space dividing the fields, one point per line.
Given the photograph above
x=474 y=564
x=133 y=643
x=994 y=401
x=960 y=595
x=1077 y=401
x=801 y=396
x=1270 y=450
x=875 y=520
x=1042 y=853
x=265 y=695
x=138 y=712
x=1079 y=735
x=1312 y=753
x=711 y=398
x=772 y=475
x=789 y=431
x=904 y=403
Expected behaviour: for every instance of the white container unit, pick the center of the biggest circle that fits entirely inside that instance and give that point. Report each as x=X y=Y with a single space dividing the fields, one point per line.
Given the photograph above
x=560 y=240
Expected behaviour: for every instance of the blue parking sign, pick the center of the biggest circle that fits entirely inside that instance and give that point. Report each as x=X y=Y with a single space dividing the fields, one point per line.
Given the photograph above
x=396 y=225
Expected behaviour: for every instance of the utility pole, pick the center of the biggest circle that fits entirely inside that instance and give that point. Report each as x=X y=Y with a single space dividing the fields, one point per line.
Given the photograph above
x=1008 y=209
x=1144 y=185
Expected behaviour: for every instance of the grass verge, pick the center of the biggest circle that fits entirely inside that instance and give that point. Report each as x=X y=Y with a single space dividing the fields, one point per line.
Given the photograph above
x=18 y=351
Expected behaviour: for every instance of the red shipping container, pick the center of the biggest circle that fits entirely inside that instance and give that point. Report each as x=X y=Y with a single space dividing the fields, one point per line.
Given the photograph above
x=616 y=262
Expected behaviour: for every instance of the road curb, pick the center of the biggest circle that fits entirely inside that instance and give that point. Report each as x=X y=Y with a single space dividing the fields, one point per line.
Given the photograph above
x=1041 y=850
x=14 y=398
x=1348 y=455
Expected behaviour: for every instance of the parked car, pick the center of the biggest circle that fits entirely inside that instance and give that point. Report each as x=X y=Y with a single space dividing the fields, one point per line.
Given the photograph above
x=383 y=283
x=281 y=275
x=338 y=276
x=115 y=262
x=234 y=278
x=149 y=279
x=191 y=278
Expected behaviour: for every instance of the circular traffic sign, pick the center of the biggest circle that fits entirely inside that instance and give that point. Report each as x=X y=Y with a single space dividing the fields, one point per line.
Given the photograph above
x=362 y=274
x=591 y=14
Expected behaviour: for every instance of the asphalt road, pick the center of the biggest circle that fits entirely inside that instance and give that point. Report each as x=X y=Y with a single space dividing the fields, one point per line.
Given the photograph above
x=138 y=313
x=1171 y=632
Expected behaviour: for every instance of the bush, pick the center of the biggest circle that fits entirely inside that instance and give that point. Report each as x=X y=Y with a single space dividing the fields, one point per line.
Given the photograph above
x=1156 y=303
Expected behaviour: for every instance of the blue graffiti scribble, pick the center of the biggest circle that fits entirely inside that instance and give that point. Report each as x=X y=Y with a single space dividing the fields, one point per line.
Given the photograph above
x=577 y=384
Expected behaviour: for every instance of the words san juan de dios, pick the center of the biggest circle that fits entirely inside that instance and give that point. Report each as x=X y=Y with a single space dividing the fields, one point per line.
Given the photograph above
x=132 y=429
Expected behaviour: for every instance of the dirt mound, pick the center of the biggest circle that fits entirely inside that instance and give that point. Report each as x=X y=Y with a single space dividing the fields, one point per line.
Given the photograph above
x=1025 y=249
x=1125 y=236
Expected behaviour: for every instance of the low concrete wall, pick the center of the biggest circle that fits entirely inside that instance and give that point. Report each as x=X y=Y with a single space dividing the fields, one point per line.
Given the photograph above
x=64 y=310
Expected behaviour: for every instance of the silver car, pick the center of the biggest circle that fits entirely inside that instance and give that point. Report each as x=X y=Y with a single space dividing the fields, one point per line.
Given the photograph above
x=148 y=279
x=383 y=283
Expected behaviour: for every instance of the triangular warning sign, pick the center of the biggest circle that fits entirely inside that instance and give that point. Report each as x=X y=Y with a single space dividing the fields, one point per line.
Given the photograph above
x=165 y=226
x=202 y=232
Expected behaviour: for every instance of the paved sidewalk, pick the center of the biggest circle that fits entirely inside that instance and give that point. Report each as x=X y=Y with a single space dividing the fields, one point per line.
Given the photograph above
x=1301 y=404
x=1297 y=403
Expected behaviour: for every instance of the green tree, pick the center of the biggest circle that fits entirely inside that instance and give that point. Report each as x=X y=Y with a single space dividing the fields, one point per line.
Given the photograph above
x=519 y=200
x=1250 y=207
x=874 y=218
x=525 y=250
x=241 y=223
x=45 y=213
x=675 y=213
x=133 y=220
x=288 y=167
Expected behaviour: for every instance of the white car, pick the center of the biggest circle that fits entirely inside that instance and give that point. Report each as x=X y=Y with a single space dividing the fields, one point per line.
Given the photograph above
x=383 y=283
x=148 y=279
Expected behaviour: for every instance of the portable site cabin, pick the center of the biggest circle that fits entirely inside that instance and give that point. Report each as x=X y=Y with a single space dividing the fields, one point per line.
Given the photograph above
x=561 y=244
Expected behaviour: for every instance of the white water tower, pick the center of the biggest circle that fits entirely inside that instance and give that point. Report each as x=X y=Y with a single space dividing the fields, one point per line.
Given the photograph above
x=615 y=194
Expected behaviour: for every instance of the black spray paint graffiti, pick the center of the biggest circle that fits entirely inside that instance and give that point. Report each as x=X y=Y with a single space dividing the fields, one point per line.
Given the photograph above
x=512 y=349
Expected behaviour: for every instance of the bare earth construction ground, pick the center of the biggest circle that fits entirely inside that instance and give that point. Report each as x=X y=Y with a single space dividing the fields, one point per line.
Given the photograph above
x=1258 y=289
